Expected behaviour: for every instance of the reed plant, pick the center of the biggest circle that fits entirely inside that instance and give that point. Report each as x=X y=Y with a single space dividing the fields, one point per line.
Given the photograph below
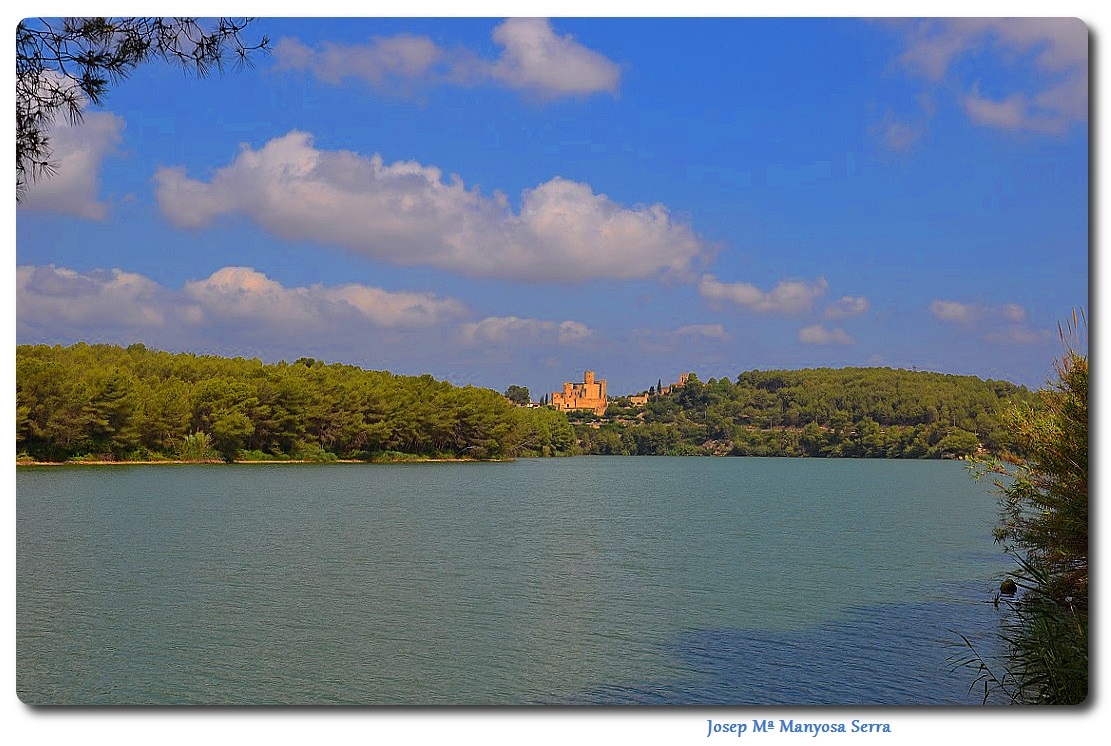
x=1044 y=525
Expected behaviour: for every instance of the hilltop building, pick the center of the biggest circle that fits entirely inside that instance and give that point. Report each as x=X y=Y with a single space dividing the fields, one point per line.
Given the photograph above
x=683 y=378
x=589 y=394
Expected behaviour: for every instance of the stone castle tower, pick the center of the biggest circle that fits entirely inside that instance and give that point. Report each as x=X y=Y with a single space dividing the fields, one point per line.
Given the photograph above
x=590 y=394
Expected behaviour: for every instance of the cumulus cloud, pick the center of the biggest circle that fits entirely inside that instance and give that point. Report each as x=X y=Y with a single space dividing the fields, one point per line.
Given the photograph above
x=708 y=331
x=953 y=311
x=900 y=136
x=787 y=298
x=817 y=334
x=244 y=293
x=684 y=338
x=1018 y=335
x=55 y=301
x=382 y=62
x=1005 y=324
x=1051 y=52
x=406 y=213
x=847 y=306
x=78 y=153
x=1013 y=312
x=935 y=44
x=534 y=58
x=537 y=59
x=505 y=330
x=62 y=300
x=1011 y=113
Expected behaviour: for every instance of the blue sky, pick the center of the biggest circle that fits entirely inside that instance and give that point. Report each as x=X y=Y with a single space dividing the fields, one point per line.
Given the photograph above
x=514 y=201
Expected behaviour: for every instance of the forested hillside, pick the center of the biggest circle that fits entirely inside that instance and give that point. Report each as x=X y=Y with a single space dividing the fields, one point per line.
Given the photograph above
x=106 y=402
x=101 y=402
x=844 y=412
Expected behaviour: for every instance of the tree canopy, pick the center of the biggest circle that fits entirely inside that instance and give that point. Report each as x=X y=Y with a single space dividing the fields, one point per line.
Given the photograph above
x=107 y=403
x=63 y=64
x=825 y=412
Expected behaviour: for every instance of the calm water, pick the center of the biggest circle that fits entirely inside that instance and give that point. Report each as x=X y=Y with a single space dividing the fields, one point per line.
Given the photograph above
x=559 y=581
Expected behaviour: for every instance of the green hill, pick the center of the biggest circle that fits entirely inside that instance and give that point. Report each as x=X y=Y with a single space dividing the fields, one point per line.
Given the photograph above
x=844 y=412
x=101 y=402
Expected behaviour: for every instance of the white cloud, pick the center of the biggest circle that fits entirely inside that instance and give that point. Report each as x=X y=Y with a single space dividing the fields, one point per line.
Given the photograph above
x=571 y=332
x=952 y=311
x=406 y=213
x=934 y=45
x=398 y=65
x=235 y=304
x=787 y=298
x=901 y=133
x=507 y=330
x=241 y=292
x=382 y=62
x=1009 y=114
x=1005 y=324
x=393 y=309
x=61 y=300
x=534 y=58
x=681 y=340
x=1052 y=52
x=819 y=335
x=848 y=305
x=241 y=311
x=709 y=331
x=1013 y=312
x=900 y=136
x=1019 y=335
x=78 y=152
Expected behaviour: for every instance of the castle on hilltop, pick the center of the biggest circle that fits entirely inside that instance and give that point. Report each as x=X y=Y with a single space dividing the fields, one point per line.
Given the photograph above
x=683 y=378
x=589 y=394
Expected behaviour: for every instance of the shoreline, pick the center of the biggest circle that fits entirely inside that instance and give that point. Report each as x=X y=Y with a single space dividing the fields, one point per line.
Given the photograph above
x=247 y=463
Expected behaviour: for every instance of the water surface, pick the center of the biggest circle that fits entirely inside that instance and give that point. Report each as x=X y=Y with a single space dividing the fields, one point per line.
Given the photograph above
x=592 y=580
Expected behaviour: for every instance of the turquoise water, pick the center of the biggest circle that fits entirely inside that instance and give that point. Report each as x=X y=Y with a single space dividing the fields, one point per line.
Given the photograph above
x=549 y=581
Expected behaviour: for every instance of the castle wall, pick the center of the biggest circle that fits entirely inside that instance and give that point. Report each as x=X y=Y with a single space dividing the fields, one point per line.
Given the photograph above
x=590 y=394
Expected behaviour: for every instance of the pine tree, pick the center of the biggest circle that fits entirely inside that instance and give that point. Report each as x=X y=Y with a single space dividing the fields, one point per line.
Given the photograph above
x=63 y=64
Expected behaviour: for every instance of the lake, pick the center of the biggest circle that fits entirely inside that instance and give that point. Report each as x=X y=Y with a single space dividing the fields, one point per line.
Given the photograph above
x=588 y=580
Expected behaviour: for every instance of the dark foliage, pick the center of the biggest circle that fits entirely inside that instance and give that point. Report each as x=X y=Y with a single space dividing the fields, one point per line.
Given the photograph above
x=1044 y=523
x=845 y=412
x=109 y=403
